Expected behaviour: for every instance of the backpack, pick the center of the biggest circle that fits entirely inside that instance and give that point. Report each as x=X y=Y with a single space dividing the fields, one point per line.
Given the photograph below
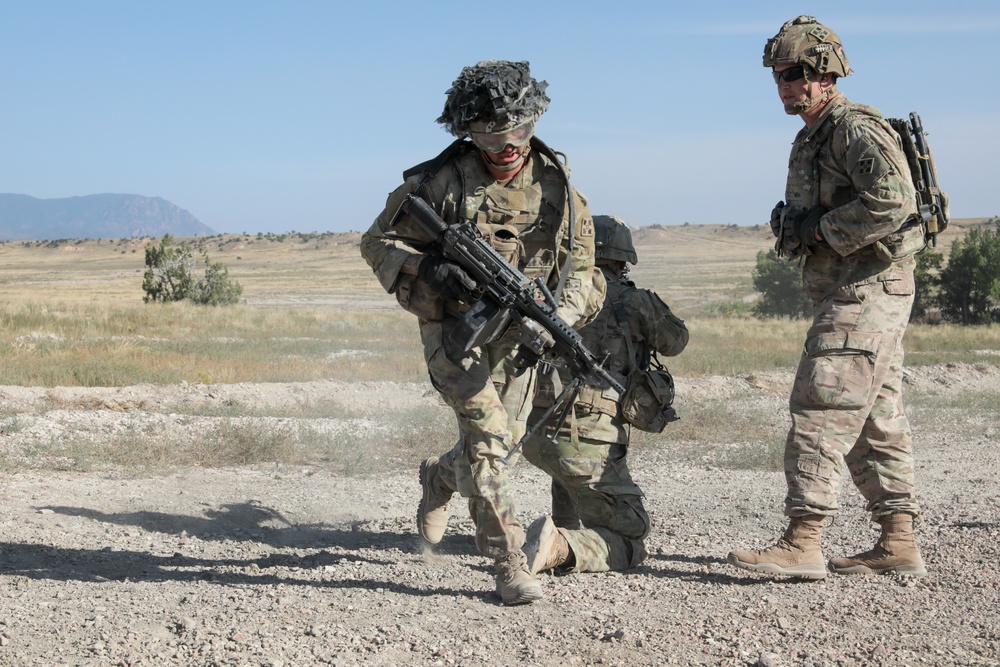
x=932 y=202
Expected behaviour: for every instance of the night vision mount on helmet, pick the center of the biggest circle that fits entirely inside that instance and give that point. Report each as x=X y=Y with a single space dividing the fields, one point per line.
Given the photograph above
x=500 y=94
x=806 y=41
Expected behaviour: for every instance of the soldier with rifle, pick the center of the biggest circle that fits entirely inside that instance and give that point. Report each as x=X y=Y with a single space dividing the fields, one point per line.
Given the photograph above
x=496 y=192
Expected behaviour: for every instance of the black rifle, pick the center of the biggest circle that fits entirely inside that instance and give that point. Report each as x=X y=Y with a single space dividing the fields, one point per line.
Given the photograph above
x=506 y=298
x=932 y=210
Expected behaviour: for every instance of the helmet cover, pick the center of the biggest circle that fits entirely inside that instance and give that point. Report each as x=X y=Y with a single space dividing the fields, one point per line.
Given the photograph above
x=613 y=240
x=496 y=95
x=806 y=41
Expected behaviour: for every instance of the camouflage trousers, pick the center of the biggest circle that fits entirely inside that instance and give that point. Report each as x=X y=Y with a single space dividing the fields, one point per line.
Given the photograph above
x=592 y=486
x=847 y=404
x=491 y=400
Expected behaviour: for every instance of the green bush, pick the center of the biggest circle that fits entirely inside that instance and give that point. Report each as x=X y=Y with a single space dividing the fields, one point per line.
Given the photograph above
x=169 y=276
x=927 y=281
x=970 y=283
x=216 y=289
x=779 y=283
x=169 y=270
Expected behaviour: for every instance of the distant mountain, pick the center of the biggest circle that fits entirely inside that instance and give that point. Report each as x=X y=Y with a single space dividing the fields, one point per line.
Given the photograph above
x=94 y=217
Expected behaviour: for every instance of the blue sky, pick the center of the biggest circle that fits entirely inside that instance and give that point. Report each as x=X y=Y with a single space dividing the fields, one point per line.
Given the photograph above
x=295 y=115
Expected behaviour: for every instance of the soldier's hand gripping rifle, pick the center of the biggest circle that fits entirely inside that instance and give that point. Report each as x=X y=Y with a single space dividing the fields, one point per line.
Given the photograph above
x=933 y=209
x=506 y=298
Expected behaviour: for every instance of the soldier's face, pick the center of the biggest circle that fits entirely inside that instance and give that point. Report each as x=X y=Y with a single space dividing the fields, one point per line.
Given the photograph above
x=792 y=92
x=506 y=157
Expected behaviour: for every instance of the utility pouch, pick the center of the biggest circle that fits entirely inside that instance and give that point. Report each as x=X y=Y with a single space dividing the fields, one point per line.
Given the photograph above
x=648 y=400
x=907 y=241
x=504 y=239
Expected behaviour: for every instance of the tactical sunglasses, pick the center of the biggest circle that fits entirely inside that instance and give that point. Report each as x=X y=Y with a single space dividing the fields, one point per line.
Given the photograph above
x=495 y=142
x=789 y=75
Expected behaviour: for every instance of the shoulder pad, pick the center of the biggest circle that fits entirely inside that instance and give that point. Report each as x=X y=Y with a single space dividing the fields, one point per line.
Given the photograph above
x=856 y=108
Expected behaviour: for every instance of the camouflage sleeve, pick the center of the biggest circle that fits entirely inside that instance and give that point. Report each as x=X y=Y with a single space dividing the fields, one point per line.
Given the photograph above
x=875 y=164
x=659 y=327
x=382 y=245
x=576 y=306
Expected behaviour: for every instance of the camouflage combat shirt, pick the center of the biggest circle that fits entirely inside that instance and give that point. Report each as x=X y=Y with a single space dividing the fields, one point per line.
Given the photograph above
x=525 y=219
x=850 y=162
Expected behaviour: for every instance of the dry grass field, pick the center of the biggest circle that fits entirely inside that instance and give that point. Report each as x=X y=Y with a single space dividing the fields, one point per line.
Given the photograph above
x=72 y=313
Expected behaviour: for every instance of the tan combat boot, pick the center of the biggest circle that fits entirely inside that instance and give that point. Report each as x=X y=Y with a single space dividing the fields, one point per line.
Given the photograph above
x=515 y=584
x=432 y=513
x=545 y=547
x=896 y=551
x=796 y=554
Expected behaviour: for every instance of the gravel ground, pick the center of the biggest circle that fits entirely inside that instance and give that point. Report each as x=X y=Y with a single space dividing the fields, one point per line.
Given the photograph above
x=295 y=565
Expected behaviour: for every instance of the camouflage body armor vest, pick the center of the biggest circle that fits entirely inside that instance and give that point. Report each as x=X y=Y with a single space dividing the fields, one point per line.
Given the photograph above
x=818 y=176
x=524 y=219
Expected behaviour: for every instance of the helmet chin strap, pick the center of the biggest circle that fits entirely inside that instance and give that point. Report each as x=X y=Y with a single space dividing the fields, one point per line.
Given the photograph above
x=810 y=102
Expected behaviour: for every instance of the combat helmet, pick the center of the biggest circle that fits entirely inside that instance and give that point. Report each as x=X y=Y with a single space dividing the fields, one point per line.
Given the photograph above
x=494 y=97
x=806 y=41
x=613 y=240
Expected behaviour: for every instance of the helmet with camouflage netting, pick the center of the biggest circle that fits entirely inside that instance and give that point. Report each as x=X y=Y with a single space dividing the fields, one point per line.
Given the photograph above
x=806 y=41
x=493 y=96
x=613 y=240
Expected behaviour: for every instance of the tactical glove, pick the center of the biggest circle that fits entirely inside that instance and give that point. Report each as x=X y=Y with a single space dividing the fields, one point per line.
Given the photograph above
x=446 y=278
x=805 y=225
x=776 y=218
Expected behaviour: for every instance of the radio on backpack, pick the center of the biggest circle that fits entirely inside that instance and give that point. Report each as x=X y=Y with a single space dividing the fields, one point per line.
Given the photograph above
x=932 y=202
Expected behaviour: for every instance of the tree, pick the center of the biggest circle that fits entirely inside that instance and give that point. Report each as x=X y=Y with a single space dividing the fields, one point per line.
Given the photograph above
x=970 y=283
x=779 y=283
x=170 y=277
x=927 y=282
x=169 y=269
x=216 y=289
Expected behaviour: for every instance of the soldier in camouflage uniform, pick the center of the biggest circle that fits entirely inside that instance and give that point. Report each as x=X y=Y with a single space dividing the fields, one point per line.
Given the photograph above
x=850 y=214
x=586 y=459
x=501 y=178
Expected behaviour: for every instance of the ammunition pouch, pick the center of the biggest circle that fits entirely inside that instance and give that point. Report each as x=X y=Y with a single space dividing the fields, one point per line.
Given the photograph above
x=590 y=400
x=484 y=322
x=504 y=239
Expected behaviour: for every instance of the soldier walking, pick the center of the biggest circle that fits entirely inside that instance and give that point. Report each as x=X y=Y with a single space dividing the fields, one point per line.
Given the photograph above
x=499 y=177
x=850 y=215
